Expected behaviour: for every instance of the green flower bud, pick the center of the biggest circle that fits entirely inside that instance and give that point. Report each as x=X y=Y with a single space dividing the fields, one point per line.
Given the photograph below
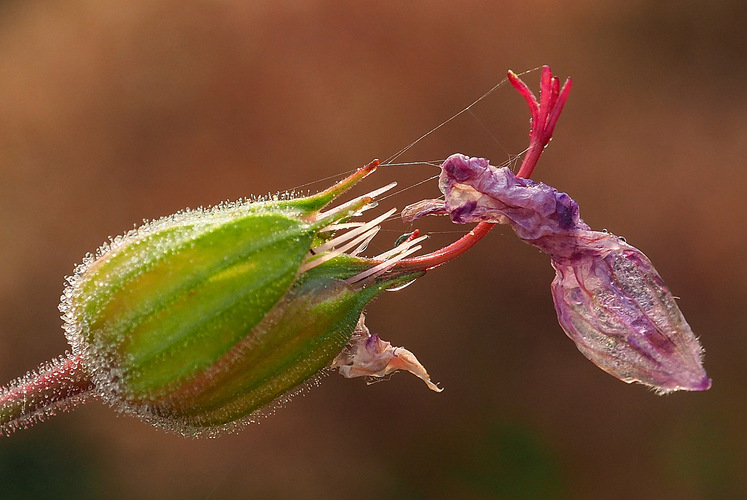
x=198 y=321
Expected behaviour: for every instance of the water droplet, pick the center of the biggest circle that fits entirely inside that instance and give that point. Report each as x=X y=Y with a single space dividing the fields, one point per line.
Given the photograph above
x=402 y=239
x=399 y=287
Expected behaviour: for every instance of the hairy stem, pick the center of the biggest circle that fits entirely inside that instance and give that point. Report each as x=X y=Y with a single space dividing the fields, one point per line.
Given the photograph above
x=54 y=386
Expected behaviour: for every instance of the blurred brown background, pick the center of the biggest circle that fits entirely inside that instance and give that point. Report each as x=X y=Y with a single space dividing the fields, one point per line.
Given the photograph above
x=111 y=112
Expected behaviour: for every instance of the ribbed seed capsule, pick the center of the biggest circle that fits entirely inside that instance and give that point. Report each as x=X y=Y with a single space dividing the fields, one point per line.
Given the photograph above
x=197 y=321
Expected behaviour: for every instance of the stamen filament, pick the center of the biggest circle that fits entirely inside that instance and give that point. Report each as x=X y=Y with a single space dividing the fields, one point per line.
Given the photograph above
x=383 y=267
x=311 y=264
x=346 y=206
x=399 y=249
x=362 y=247
x=353 y=233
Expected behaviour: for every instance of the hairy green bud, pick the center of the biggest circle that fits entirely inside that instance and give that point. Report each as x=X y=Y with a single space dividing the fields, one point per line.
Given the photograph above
x=198 y=321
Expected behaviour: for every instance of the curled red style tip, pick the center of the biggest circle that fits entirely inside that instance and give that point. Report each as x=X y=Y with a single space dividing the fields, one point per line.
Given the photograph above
x=544 y=116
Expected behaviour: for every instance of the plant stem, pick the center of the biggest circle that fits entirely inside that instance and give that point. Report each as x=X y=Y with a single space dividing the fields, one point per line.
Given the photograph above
x=54 y=386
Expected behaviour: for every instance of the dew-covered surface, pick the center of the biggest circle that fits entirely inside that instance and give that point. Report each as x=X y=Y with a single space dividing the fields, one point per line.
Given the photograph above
x=54 y=387
x=609 y=298
x=198 y=321
x=116 y=112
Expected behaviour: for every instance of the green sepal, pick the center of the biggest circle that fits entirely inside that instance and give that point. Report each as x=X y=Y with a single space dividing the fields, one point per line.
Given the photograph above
x=300 y=337
x=200 y=319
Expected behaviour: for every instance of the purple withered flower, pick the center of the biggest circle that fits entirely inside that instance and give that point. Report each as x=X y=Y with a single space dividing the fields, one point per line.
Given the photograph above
x=198 y=321
x=609 y=298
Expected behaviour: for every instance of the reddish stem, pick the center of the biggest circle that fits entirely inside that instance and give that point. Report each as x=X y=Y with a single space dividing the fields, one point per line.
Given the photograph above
x=57 y=385
x=445 y=254
x=545 y=114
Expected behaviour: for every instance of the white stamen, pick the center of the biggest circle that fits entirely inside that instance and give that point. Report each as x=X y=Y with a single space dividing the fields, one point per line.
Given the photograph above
x=311 y=264
x=353 y=233
x=343 y=225
x=362 y=247
x=401 y=248
x=346 y=206
x=381 y=190
x=383 y=267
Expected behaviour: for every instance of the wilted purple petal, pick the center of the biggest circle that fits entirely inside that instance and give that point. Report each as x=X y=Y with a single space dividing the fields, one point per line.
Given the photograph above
x=609 y=298
x=368 y=355
x=615 y=306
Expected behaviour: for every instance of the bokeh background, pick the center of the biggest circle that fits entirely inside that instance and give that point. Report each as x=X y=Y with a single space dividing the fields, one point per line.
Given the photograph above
x=112 y=112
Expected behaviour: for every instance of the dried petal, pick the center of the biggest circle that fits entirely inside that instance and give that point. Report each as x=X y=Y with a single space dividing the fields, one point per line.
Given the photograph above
x=609 y=298
x=369 y=356
x=615 y=306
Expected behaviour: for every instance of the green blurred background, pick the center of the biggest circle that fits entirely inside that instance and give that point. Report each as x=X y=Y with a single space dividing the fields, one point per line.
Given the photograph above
x=114 y=111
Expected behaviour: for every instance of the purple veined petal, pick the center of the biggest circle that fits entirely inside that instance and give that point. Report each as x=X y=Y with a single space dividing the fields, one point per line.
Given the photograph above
x=621 y=315
x=609 y=298
x=479 y=192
